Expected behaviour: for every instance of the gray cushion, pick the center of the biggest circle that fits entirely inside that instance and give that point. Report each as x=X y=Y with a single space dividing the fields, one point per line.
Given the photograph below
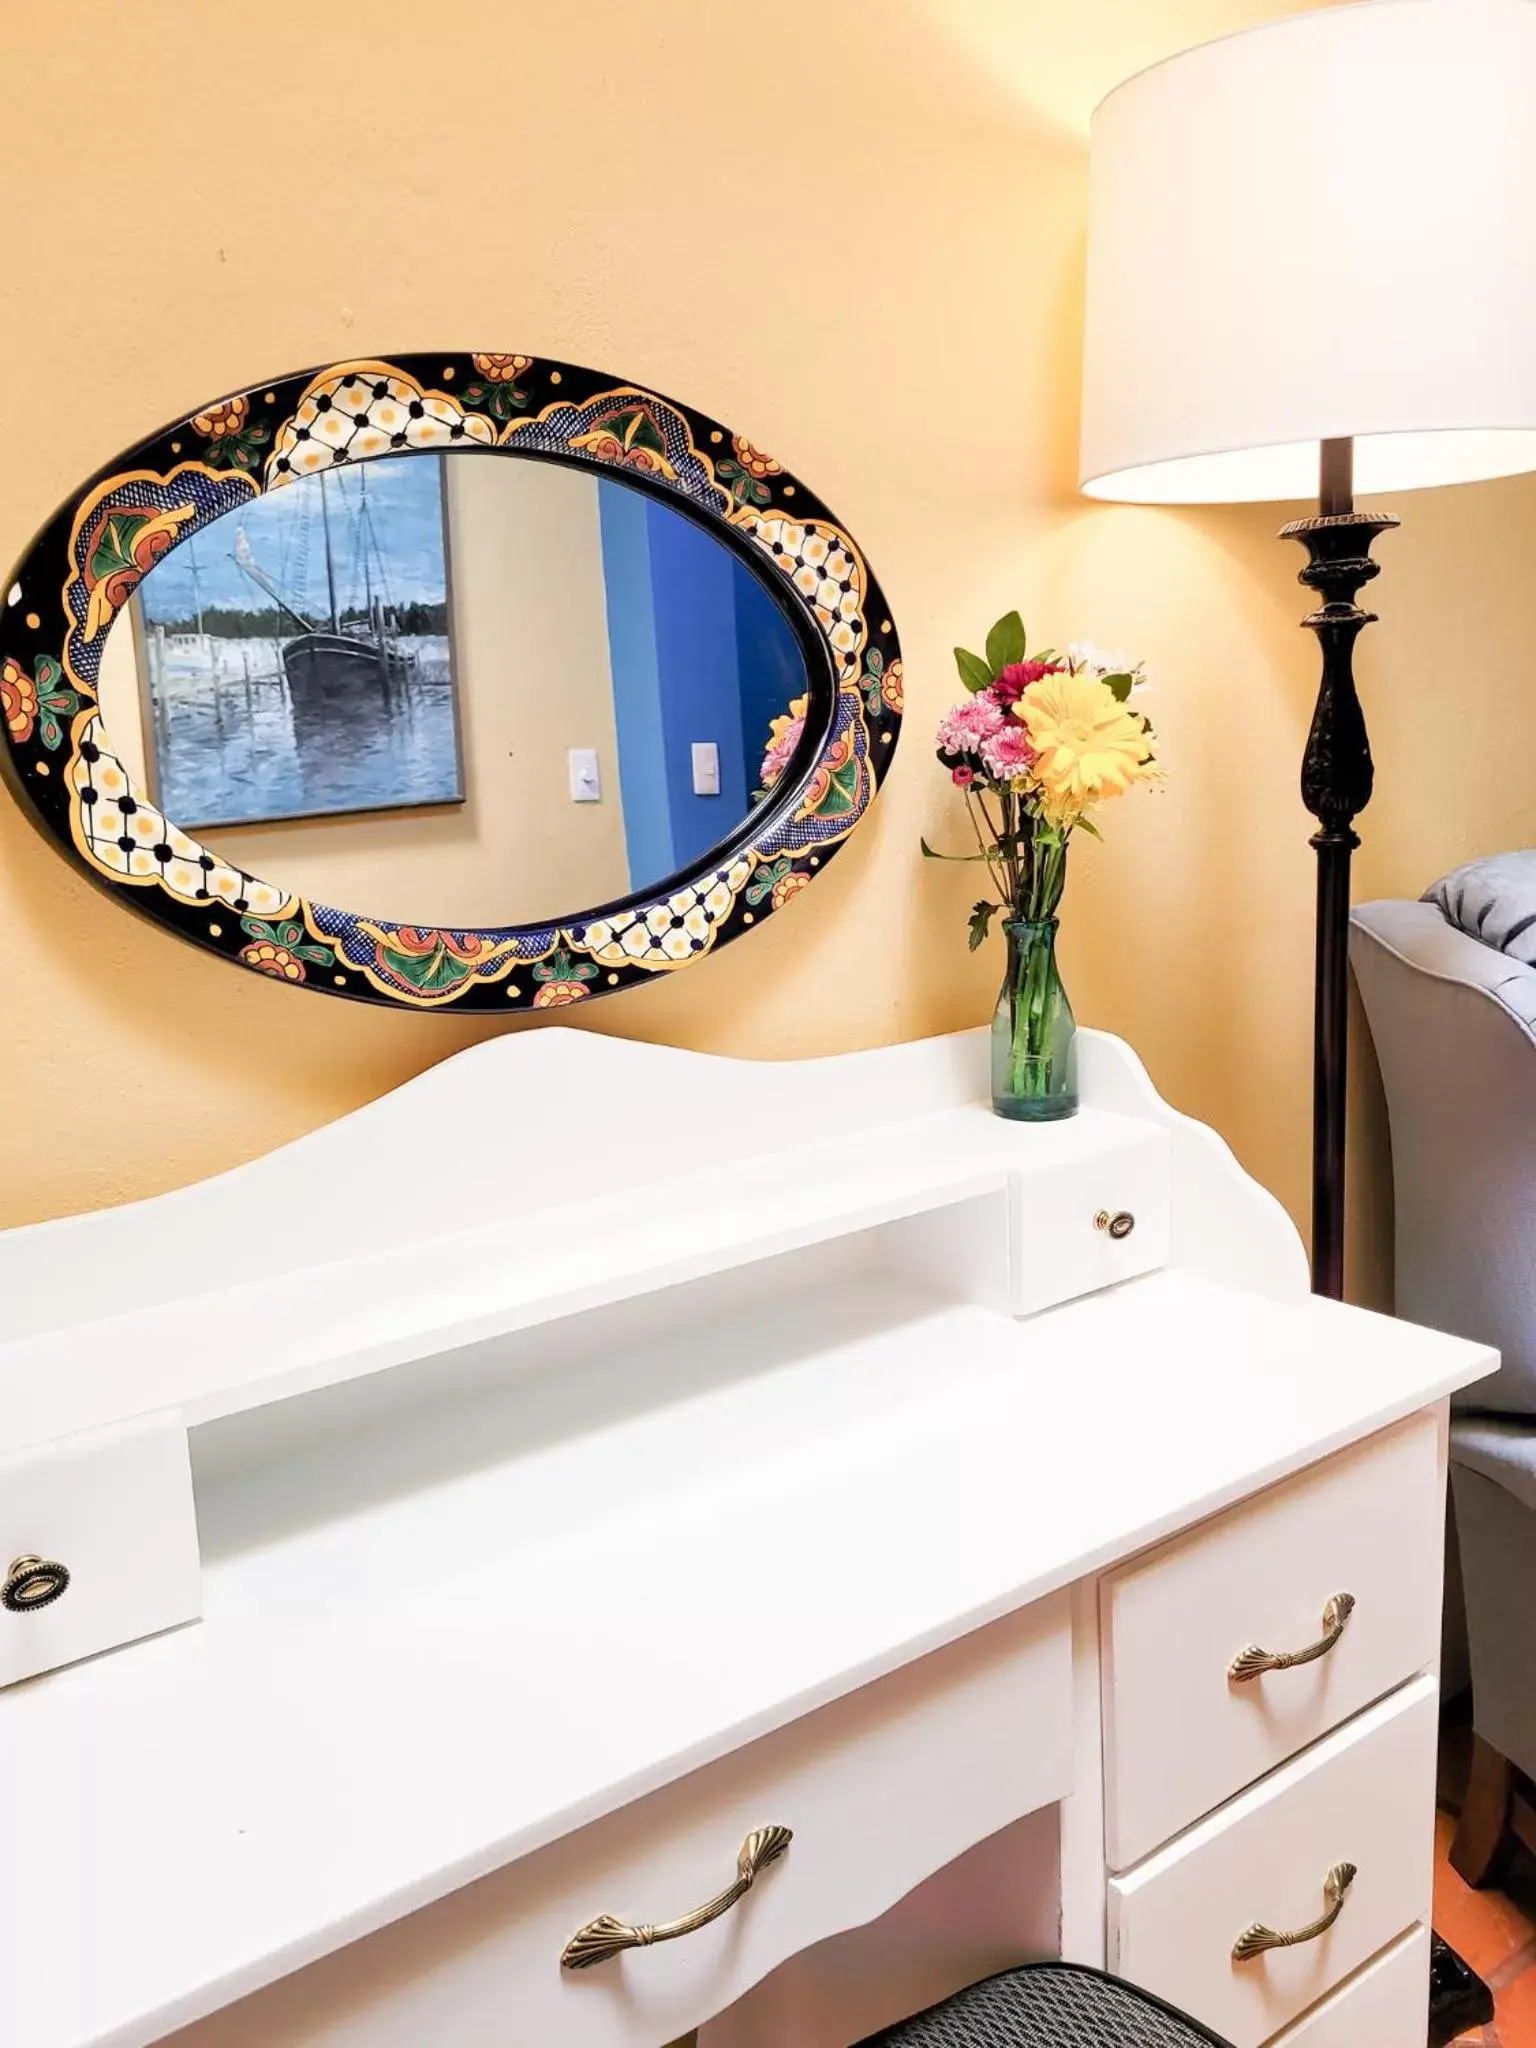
x=1454 y=1023
x=1503 y=1451
x=1422 y=937
x=1492 y=1478
x=1050 y=2005
x=1493 y=900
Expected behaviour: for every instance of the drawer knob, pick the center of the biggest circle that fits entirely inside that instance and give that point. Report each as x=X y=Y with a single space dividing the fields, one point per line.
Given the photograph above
x=1253 y=1661
x=1116 y=1223
x=605 y=1937
x=1254 y=1940
x=33 y=1582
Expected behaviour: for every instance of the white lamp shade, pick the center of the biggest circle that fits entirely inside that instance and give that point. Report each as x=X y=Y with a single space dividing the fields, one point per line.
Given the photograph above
x=1320 y=228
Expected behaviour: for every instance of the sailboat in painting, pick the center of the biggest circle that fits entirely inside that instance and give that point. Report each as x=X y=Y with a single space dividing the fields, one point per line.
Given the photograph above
x=337 y=660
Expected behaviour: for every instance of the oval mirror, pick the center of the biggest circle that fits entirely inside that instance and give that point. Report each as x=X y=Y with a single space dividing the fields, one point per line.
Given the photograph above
x=465 y=681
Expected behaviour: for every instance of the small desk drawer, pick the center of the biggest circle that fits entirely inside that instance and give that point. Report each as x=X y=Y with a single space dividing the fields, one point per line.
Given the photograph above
x=1381 y=2006
x=1091 y=1222
x=1181 y=1734
x=880 y=1789
x=114 y=1508
x=1365 y=1796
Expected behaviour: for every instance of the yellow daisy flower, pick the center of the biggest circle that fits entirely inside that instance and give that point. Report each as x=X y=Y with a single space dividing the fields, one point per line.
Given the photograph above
x=1088 y=745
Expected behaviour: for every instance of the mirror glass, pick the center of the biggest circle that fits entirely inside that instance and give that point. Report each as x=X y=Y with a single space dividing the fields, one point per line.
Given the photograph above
x=456 y=689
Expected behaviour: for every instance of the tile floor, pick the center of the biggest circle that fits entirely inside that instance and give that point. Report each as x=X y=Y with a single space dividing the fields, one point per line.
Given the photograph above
x=1496 y=1932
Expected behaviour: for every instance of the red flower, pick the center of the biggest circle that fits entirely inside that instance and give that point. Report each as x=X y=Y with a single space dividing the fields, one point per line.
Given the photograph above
x=468 y=948
x=1017 y=677
x=501 y=369
x=789 y=885
x=554 y=993
x=228 y=416
x=269 y=958
x=962 y=777
x=753 y=460
x=18 y=701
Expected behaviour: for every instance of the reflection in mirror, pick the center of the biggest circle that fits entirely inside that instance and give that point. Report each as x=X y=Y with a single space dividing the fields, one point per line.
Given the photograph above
x=455 y=690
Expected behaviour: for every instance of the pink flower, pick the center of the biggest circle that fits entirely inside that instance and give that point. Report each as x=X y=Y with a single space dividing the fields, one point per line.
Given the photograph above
x=1007 y=753
x=963 y=729
x=962 y=777
x=1017 y=677
x=781 y=749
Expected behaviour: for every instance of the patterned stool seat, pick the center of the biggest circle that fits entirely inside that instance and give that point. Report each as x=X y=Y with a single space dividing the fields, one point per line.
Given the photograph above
x=1049 y=2005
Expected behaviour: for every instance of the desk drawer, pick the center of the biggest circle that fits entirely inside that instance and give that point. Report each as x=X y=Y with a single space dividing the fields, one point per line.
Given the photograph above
x=1365 y=1796
x=114 y=1508
x=1091 y=1222
x=1180 y=1734
x=880 y=1789
x=1382 y=2006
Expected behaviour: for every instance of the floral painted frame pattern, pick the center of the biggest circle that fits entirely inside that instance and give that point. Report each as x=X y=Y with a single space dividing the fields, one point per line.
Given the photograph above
x=84 y=566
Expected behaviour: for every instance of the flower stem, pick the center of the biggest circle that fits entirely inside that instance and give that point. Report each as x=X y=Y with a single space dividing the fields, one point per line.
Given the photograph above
x=989 y=853
x=1030 y=982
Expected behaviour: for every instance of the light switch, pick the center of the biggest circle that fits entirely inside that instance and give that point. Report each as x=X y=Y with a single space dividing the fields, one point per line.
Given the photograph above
x=586 y=783
x=706 y=768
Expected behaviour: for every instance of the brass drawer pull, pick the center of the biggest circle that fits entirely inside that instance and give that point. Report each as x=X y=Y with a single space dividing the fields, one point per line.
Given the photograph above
x=1117 y=1225
x=1254 y=1940
x=605 y=1937
x=33 y=1582
x=1251 y=1662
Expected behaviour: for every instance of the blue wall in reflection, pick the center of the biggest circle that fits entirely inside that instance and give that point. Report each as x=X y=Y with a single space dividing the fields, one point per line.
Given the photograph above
x=700 y=653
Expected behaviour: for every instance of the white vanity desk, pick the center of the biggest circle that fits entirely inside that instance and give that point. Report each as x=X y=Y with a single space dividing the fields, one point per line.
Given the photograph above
x=601 y=1452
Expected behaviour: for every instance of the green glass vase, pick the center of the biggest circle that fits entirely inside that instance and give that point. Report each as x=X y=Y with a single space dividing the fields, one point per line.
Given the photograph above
x=1034 y=1036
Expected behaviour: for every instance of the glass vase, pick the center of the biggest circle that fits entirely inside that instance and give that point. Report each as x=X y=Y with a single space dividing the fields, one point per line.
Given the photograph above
x=1034 y=1036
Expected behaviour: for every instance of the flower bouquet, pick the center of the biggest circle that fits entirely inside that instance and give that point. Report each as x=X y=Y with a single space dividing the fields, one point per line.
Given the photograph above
x=1034 y=749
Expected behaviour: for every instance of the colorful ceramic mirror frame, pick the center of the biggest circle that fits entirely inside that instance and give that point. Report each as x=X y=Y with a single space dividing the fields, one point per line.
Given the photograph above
x=87 y=562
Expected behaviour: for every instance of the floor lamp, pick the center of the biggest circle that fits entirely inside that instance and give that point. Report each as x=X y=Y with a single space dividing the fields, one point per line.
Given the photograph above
x=1312 y=270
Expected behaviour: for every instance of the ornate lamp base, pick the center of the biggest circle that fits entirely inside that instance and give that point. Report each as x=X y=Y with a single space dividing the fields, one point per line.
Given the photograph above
x=1336 y=781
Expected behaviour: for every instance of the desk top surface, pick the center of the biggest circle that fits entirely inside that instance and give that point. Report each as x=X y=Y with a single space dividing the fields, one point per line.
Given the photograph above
x=227 y=1802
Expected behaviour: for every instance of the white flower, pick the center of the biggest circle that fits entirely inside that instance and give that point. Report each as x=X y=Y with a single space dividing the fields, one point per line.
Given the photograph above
x=1107 y=661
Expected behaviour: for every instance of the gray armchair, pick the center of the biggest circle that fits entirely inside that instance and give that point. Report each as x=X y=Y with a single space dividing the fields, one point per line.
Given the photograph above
x=1449 y=987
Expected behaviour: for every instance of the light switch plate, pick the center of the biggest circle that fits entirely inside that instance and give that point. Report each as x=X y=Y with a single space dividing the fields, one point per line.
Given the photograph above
x=586 y=783
x=706 y=768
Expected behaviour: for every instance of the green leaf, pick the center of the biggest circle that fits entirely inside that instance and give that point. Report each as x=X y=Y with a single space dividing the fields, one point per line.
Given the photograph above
x=1087 y=825
x=932 y=853
x=1119 y=687
x=974 y=672
x=980 y=924
x=1005 y=642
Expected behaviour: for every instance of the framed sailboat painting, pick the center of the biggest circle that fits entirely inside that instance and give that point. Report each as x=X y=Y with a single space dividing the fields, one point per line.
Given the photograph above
x=297 y=661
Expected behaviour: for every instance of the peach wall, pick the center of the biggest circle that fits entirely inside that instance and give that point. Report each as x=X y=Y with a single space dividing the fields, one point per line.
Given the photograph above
x=856 y=234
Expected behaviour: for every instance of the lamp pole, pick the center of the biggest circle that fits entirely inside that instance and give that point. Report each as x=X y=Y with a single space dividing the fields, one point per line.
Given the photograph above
x=1336 y=779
